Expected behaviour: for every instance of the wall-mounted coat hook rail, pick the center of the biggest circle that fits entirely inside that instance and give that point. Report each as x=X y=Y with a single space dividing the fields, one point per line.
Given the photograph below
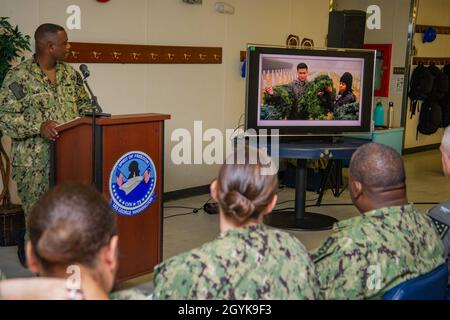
x=428 y=60
x=420 y=28
x=82 y=52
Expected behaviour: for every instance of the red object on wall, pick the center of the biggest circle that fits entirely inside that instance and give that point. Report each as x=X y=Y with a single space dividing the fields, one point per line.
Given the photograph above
x=102 y=1
x=383 y=66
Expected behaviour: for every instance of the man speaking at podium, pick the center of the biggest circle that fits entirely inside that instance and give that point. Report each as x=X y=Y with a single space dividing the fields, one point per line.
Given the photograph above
x=35 y=97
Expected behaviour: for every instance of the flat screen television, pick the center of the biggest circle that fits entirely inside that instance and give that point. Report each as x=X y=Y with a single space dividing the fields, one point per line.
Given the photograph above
x=335 y=98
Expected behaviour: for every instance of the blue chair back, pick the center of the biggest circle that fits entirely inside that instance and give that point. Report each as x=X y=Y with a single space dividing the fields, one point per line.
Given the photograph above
x=430 y=286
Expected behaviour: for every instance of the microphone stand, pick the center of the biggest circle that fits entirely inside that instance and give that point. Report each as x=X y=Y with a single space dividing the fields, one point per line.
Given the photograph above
x=94 y=105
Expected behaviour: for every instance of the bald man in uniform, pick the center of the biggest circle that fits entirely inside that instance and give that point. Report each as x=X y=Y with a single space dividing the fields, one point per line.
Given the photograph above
x=389 y=243
x=35 y=97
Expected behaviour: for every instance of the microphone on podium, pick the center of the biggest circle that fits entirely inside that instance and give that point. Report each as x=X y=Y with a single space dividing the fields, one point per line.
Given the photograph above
x=97 y=111
x=85 y=71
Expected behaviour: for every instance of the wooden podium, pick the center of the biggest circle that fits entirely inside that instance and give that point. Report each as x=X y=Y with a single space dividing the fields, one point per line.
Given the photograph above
x=72 y=159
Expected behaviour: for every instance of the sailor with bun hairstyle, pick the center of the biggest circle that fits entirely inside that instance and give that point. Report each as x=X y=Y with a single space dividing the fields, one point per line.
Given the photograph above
x=247 y=260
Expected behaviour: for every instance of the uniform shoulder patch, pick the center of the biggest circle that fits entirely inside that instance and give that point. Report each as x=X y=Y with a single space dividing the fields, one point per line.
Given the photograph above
x=441 y=227
x=17 y=90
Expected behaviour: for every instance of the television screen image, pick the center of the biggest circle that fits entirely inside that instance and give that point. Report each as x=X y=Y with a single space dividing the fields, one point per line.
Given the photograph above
x=302 y=91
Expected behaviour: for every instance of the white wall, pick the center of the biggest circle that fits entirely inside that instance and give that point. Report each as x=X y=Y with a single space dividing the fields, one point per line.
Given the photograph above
x=214 y=94
x=430 y=12
x=394 y=30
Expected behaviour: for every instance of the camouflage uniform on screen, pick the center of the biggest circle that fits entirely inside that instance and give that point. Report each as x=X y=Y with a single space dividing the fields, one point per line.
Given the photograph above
x=370 y=254
x=245 y=263
x=23 y=111
x=298 y=88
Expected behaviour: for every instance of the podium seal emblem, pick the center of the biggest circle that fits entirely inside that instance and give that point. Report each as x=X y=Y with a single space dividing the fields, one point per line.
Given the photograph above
x=132 y=183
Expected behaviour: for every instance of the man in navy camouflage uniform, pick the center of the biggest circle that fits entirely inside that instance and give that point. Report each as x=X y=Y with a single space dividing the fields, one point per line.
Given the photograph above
x=390 y=242
x=35 y=97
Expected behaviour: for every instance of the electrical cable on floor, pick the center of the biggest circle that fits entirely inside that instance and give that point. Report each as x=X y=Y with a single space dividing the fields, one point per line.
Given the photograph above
x=181 y=207
x=194 y=210
x=283 y=202
x=178 y=215
x=330 y=205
